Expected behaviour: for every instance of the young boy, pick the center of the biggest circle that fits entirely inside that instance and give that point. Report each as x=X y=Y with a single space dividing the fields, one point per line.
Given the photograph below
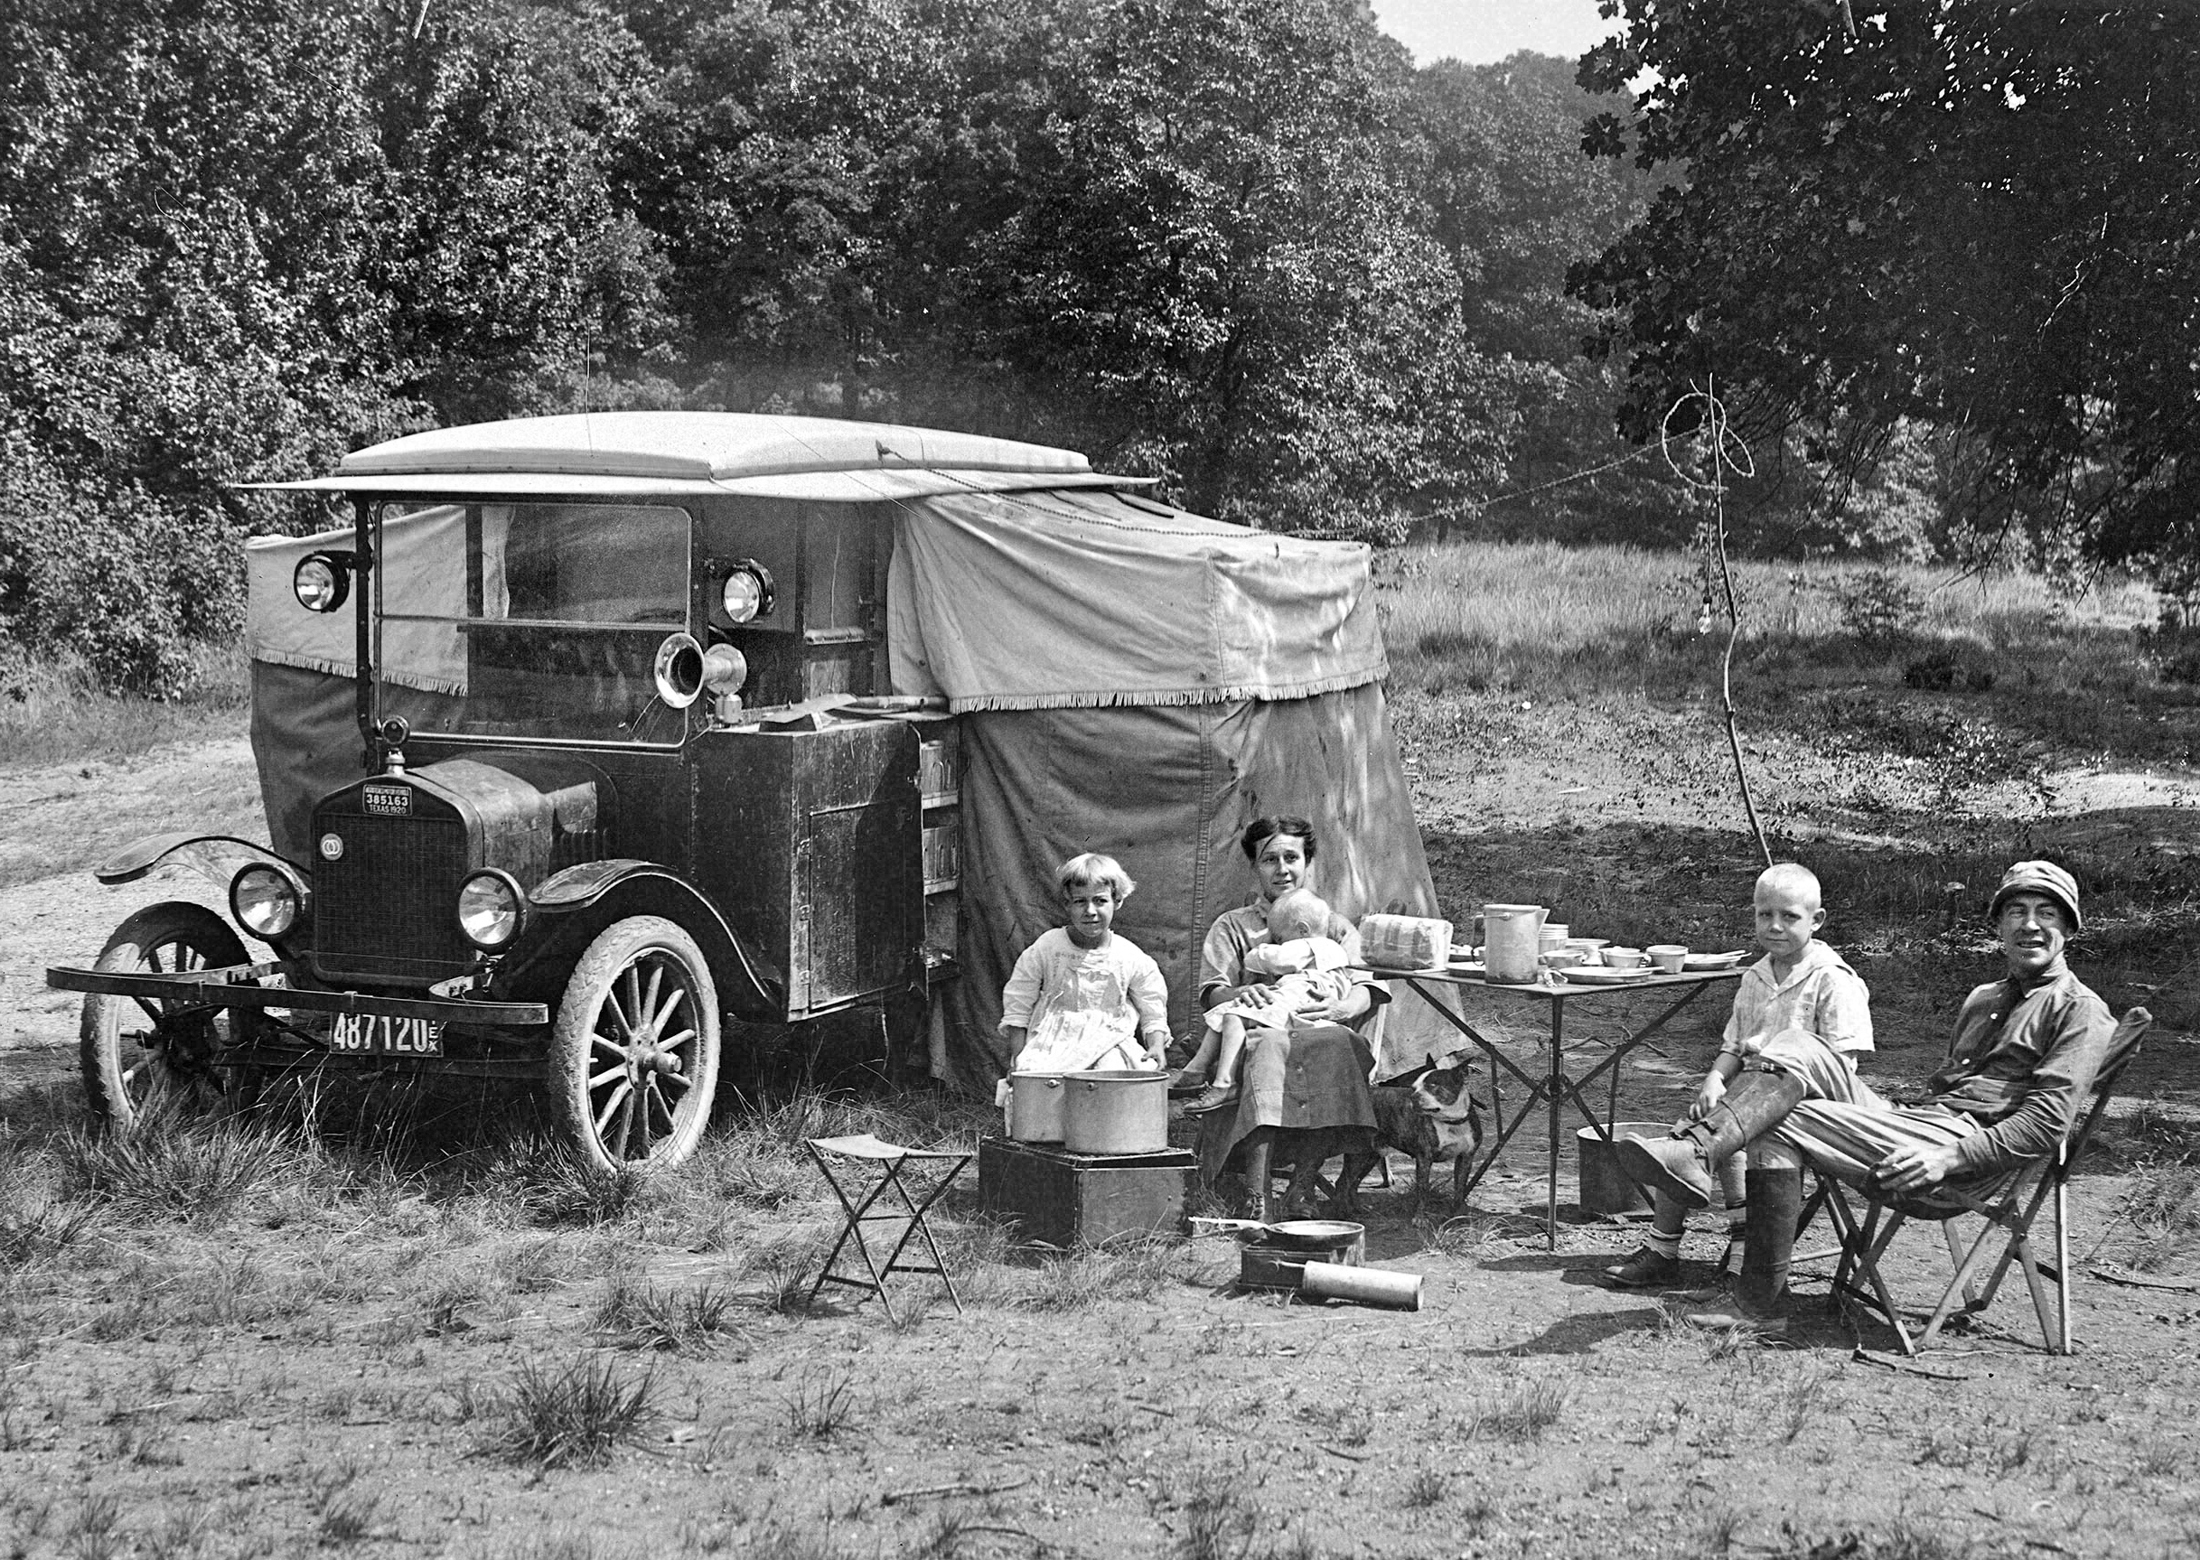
x=1800 y=983
x=1300 y=963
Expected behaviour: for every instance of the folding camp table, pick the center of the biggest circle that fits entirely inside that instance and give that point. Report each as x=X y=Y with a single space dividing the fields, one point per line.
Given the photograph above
x=1557 y=1084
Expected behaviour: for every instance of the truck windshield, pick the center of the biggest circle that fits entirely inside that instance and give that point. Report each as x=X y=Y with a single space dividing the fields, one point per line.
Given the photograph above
x=535 y=620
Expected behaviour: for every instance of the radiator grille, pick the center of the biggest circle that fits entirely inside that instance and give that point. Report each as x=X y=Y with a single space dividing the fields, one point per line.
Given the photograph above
x=387 y=909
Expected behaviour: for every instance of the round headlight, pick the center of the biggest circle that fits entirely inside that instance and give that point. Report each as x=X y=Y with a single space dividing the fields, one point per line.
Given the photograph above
x=747 y=592
x=490 y=906
x=265 y=900
x=320 y=583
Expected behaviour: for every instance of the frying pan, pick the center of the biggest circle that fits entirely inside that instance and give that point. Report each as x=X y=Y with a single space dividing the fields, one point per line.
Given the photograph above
x=1299 y=1234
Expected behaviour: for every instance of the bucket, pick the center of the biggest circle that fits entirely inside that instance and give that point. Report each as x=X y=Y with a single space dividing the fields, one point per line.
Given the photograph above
x=1115 y=1112
x=1605 y=1188
x=1035 y=1107
x=1368 y=1286
x=1509 y=935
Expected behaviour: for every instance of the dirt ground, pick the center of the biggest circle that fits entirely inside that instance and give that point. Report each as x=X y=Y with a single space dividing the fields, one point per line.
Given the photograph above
x=336 y=1369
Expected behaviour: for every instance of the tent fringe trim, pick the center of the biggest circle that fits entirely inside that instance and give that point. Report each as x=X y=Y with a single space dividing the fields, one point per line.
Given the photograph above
x=343 y=669
x=1097 y=699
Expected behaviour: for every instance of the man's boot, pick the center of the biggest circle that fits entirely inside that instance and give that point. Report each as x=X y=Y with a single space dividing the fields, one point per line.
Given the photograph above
x=1680 y=1165
x=1760 y=1295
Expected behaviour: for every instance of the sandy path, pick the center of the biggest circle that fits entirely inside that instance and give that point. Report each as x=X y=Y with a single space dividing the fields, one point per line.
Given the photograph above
x=58 y=822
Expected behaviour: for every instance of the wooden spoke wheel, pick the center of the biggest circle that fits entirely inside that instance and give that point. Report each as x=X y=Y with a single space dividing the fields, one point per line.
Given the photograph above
x=634 y=1051
x=146 y=1053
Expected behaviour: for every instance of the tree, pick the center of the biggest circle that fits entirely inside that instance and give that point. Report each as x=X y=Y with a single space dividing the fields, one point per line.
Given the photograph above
x=1217 y=238
x=1978 y=218
x=183 y=304
x=1515 y=202
x=821 y=170
x=510 y=244
x=243 y=236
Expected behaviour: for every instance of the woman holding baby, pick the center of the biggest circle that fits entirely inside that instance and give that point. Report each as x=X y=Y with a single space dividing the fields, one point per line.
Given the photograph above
x=1304 y=1065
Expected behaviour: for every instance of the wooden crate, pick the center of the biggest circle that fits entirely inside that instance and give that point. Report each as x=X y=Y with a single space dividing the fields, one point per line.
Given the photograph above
x=1067 y=1199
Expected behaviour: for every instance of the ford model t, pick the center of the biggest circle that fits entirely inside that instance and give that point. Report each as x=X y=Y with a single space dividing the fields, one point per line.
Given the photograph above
x=547 y=787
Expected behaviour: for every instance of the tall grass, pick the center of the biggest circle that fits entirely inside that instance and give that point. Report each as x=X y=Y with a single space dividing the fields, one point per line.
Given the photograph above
x=1539 y=617
x=169 y=1164
x=54 y=712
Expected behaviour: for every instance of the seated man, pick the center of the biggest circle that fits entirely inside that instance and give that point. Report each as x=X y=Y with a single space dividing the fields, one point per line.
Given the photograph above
x=2018 y=1068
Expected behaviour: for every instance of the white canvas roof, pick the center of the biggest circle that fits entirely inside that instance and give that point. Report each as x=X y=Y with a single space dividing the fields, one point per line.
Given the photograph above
x=632 y=454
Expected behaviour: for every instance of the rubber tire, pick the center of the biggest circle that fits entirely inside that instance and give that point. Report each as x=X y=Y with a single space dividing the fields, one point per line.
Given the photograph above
x=100 y=1035
x=574 y=1054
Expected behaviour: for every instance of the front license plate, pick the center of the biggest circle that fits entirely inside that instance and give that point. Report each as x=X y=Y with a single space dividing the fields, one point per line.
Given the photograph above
x=377 y=1034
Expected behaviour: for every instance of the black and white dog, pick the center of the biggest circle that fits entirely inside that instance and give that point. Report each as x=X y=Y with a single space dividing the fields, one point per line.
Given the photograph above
x=1431 y=1115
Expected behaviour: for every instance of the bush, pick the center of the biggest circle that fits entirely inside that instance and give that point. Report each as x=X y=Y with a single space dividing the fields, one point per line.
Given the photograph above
x=1944 y=668
x=1879 y=607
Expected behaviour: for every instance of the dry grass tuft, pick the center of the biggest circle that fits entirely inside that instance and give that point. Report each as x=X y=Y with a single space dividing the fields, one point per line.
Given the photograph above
x=822 y=1407
x=1082 y=1279
x=640 y=1315
x=1522 y=1412
x=575 y=1417
x=557 y=1187
x=1219 y=1522
x=2163 y=1207
x=170 y=1165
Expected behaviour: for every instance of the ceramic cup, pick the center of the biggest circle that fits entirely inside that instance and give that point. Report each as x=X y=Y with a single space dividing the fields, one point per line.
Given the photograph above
x=1668 y=957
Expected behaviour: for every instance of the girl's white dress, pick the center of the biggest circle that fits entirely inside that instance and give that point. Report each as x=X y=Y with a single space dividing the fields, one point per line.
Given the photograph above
x=1084 y=1008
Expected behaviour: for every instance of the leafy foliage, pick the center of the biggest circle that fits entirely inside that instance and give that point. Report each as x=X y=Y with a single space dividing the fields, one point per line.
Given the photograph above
x=1241 y=246
x=244 y=237
x=1972 y=219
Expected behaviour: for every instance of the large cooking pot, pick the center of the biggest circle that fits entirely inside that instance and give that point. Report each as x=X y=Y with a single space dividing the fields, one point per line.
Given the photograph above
x=1035 y=1107
x=1116 y=1112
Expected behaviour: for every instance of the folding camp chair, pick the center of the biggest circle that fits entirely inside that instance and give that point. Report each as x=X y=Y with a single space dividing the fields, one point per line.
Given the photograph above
x=2008 y=1203
x=863 y=1155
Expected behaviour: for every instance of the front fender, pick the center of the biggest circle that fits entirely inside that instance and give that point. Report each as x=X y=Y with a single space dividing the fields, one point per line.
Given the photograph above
x=569 y=908
x=215 y=857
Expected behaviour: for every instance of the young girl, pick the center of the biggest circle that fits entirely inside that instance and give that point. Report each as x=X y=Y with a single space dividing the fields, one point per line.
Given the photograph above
x=1082 y=997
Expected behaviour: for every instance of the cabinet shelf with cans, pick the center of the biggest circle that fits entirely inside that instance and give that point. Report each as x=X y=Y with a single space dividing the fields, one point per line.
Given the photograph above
x=939 y=786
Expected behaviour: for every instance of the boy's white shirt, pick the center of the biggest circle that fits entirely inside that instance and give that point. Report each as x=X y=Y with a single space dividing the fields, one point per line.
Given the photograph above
x=1821 y=994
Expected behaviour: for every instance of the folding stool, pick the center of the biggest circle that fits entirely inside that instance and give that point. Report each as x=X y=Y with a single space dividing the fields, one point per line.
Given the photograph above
x=858 y=1157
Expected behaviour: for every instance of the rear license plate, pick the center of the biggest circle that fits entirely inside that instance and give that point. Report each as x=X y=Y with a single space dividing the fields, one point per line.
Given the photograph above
x=377 y=1034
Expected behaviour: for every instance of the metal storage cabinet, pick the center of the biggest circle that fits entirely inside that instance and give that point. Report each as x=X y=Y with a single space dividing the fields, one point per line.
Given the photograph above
x=812 y=842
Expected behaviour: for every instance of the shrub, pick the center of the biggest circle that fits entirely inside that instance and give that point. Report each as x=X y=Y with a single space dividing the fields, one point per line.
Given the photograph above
x=1944 y=668
x=1879 y=607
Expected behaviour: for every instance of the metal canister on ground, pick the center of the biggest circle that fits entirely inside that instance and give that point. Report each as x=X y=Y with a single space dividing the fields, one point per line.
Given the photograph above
x=1365 y=1285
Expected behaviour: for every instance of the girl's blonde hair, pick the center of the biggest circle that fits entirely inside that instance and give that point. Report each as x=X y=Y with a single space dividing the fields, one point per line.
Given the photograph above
x=1090 y=868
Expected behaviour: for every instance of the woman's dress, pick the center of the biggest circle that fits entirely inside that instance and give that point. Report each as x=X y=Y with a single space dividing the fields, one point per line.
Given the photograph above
x=1308 y=1075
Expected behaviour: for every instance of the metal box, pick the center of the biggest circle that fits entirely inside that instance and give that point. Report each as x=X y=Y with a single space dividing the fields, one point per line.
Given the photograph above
x=1065 y=1199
